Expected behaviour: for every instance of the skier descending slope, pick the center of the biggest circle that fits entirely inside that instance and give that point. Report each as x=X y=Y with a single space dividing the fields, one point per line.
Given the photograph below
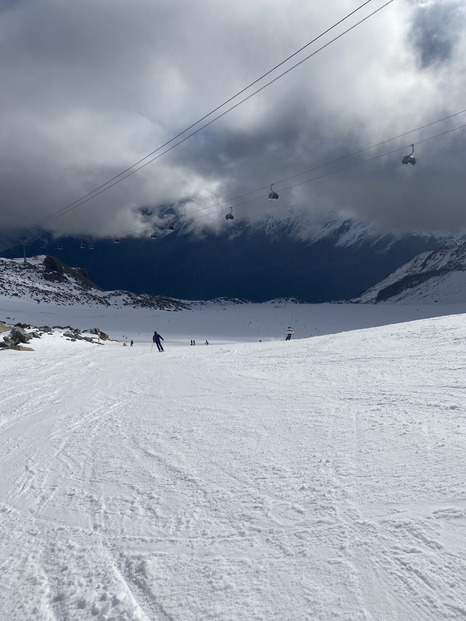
x=289 y=332
x=156 y=339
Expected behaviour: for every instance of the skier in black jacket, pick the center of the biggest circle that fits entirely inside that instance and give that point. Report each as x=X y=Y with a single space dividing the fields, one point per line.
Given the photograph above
x=156 y=339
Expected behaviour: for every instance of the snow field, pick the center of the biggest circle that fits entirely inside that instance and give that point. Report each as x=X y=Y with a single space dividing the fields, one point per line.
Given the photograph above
x=322 y=478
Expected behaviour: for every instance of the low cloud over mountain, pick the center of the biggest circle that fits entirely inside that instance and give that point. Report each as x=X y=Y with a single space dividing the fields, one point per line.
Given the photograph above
x=89 y=89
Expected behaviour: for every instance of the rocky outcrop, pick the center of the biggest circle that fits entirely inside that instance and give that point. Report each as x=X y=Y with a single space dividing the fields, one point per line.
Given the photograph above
x=77 y=335
x=16 y=340
x=21 y=334
x=55 y=270
x=99 y=333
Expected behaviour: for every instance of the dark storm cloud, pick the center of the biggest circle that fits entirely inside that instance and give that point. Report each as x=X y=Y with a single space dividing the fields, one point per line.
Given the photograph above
x=89 y=88
x=436 y=30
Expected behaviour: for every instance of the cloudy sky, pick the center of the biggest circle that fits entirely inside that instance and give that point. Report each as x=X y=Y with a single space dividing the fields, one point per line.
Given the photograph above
x=91 y=87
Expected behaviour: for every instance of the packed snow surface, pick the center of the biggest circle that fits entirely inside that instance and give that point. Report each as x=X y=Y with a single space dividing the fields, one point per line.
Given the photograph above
x=318 y=479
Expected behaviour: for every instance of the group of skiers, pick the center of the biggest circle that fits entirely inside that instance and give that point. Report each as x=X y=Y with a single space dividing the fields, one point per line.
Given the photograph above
x=157 y=338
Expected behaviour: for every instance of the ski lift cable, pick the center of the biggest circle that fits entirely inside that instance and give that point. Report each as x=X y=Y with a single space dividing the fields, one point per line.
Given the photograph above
x=323 y=165
x=329 y=163
x=214 y=209
x=353 y=165
x=374 y=146
x=339 y=159
x=327 y=174
x=115 y=177
x=142 y=163
x=230 y=99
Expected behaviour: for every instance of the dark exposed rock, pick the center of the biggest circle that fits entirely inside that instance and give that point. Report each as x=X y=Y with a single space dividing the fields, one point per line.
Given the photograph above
x=91 y=339
x=57 y=271
x=99 y=333
x=408 y=282
x=70 y=335
x=53 y=269
x=16 y=336
x=20 y=335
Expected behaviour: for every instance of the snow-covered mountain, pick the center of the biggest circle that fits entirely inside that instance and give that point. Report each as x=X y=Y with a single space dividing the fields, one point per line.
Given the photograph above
x=46 y=279
x=431 y=277
x=436 y=277
x=343 y=232
x=282 y=256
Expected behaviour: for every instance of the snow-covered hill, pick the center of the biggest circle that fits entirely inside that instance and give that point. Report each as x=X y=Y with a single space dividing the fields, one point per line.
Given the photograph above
x=320 y=478
x=46 y=279
x=46 y=292
x=431 y=277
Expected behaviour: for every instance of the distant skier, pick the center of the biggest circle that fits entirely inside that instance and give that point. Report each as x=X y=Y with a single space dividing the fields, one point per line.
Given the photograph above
x=131 y=343
x=156 y=339
x=289 y=332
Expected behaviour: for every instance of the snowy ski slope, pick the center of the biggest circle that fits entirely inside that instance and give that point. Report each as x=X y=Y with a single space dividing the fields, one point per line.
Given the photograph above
x=318 y=479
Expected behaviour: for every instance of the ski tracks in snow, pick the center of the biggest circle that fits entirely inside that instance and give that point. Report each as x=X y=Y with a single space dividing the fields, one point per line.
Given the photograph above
x=318 y=479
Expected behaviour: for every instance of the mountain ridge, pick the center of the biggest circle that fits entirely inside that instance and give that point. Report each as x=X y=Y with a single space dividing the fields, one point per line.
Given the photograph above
x=334 y=260
x=430 y=277
x=46 y=279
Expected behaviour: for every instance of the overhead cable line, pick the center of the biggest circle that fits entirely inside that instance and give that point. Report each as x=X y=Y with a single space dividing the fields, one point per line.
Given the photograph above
x=142 y=163
x=375 y=157
x=230 y=202
x=343 y=157
x=353 y=165
x=214 y=208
